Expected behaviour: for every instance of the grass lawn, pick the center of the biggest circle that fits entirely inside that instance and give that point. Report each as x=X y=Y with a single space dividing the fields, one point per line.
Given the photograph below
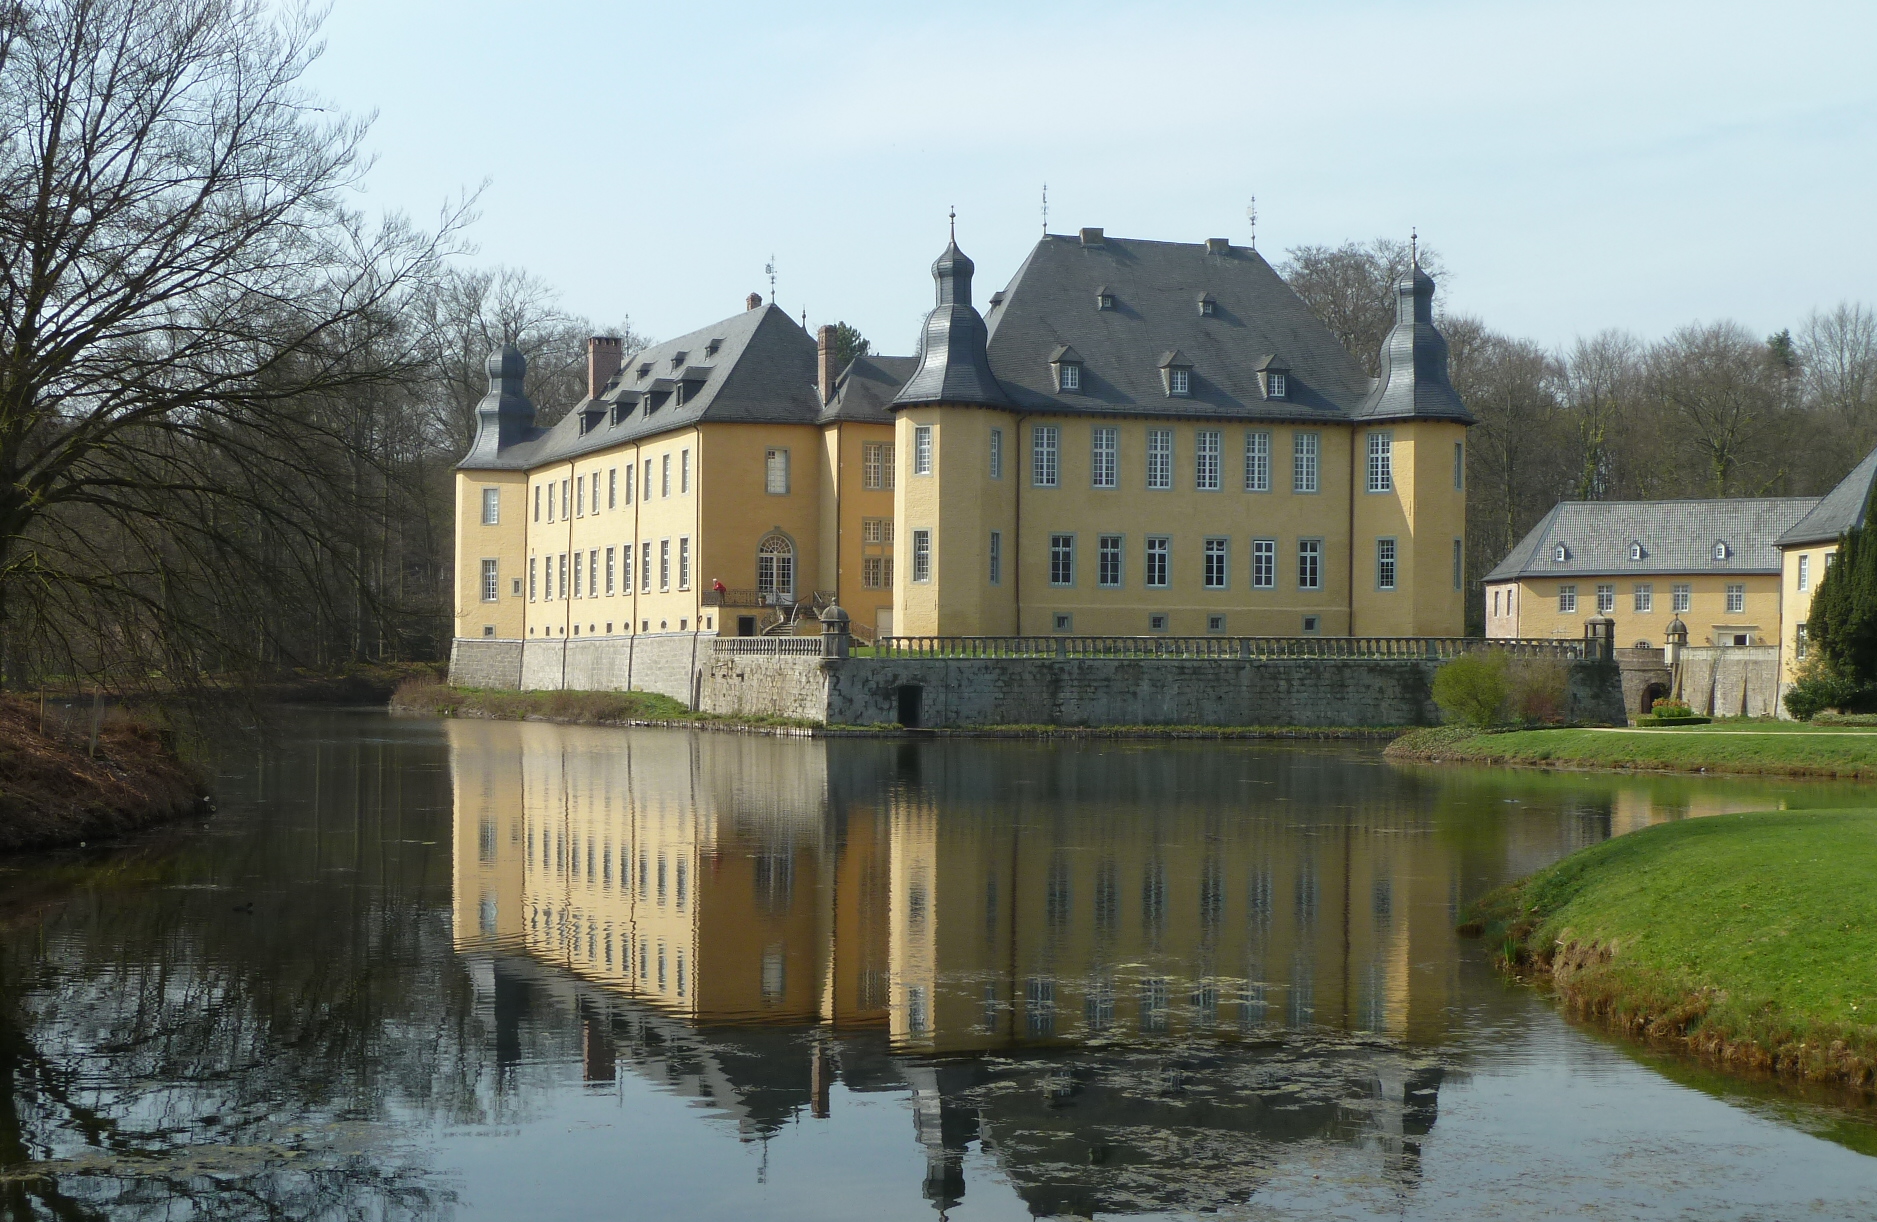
x=1750 y=936
x=1766 y=747
x=578 y=707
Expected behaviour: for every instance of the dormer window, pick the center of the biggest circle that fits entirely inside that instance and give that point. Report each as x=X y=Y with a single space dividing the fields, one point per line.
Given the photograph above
x=1176 y=374
x=710 y=349
x=1560 y=554
x=1720 y=552
x=1208 y=305
x=645 y=370
x=1635 y=550
x=1104 y=298
x=1274 y=384
x=1271 y=379
x=677 y=359
x=1065 y=365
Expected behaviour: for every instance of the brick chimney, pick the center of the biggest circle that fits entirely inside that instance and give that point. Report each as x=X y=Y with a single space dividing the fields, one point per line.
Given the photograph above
x=824 y=364
x=603 y=354
x=755 y=301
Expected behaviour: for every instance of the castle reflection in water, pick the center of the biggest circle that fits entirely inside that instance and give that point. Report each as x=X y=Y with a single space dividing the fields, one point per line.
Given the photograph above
x=1170 y=948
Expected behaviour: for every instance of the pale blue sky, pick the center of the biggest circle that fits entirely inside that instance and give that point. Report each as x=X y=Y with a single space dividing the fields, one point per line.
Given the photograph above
x=1579 y=166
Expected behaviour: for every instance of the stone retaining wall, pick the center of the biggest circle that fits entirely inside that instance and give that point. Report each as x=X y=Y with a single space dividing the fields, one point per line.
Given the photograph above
x=671 y=663
x=1731 y=680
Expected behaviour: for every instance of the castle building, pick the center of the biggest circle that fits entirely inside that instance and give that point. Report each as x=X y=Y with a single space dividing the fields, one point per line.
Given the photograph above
x=1154 y=437
x=1142 y=437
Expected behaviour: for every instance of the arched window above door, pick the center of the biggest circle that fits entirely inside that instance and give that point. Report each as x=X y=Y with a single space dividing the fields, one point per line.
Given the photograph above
x=775 y=566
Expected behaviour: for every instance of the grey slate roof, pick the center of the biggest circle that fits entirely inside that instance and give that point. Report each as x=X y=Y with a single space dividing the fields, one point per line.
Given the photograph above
x=1414 y=380
x=952 y=365
x=864 y=391
x=1051 y=302
x=1676 y=537
x=763 y=371
x=1839 y=510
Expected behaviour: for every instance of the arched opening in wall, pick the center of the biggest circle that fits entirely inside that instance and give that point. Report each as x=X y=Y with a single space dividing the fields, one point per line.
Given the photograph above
x=1650 y=694
x=775 y=567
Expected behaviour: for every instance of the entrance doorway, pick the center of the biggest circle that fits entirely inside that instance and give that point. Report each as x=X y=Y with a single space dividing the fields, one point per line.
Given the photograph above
x=746 y=625
x=910 y=695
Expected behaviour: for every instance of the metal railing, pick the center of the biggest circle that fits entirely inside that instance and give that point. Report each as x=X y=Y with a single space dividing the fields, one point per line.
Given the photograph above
x=1404 y=648
x=770 y=646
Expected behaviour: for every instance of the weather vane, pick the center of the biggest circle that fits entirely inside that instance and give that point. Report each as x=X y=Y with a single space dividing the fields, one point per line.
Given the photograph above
x=1045 y=209
x=1251 y=218
x=769 y=269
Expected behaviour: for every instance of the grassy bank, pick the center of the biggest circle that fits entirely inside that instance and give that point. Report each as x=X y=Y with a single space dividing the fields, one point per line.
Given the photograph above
x=1750 y=939
x=1775 y=748
x=54 y=792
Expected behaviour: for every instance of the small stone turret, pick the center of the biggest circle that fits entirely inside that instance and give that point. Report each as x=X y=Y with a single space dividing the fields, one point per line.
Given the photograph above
x=505 y=415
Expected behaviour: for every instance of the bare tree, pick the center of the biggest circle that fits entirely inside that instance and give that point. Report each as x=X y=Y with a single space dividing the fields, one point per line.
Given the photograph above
x=1726 y=399
x=1352 y=289
x=1837 y=354
x=184 y=297
x=1600 y=379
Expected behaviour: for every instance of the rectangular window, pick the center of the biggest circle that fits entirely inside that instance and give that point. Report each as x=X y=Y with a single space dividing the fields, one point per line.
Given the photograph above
x=876 y=572
x=997 y=453
x=1159 y=560
x=1381 y=462
x=1206 y=459
x=1495 y=604
x=629 y=473
x=1108 y=560
x=922 y=555
x=684 y=562
x=776 y=472
x=537 y=502
x=577 y=567
x=1215 y=568
x=664 y=564
x=922 y=449
x=580 y=496
x=1459 y=465
x=550 y=501
x=611 y=573
x=593 y=563
x=1062 y=560
x=612 y=488
x=1567 y=600
x=1384 y=564
x=547 y=595
x=563 y=574
x=876 y=465
x=997 y=558
x=531 y=579
x=1642 y=597
x=1044 y=442
x=1798 y=641
x=645 y=567
x=566 y=498
x=1103 y=458
x=1160 y=458
x=1264 y=564
x=491 y=587
x=1179 y=381
x=491 y=506
x=647 y=485
x=1257 y=462
x=1309 y=564
x=1736 y=598
x=1606 y=599
x=664 y=474
x=1304 y=450
x=1679 y=596
x=1459 y=565
x=1068 y=376
x=876 y=530
x=1805 y=572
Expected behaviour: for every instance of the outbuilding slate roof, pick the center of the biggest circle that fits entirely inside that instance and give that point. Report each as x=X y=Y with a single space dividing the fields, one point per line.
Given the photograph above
x=763 y=371
x=1676 y=537
x=1839 y=510
x=1052 y=302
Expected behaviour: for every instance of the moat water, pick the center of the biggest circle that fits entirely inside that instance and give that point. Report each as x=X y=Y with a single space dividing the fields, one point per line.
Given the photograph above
x=420 y=969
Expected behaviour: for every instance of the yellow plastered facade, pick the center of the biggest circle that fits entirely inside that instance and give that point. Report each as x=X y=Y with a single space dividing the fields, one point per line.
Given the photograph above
x=965 y=500
x=1810 y=561
x=1532 y=607
x=479 y=542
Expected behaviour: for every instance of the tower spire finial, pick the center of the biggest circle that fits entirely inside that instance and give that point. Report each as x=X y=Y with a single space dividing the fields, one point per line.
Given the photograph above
x=1251 y=218
x=954 y=220
x=1045 y=209
x=1414 y=246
